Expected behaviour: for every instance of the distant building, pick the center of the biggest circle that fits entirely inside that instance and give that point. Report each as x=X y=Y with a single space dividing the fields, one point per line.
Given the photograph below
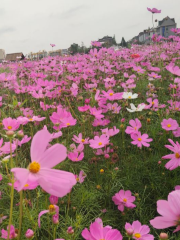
x=2 y=55
x=13 y=57
x=163 y=29
x=55 y=53
x=64 y=52
x=109 y=41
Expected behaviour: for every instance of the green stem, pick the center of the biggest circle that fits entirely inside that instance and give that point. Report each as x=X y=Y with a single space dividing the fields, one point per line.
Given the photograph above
x=21 y=213
x=12 y=192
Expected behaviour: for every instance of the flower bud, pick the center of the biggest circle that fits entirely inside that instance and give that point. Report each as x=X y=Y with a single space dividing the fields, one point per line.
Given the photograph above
x=10 y=133
x=163 y=236
x=53 y=200
x=129 y=231
x=55 y=218
x=106 y=156
x=70 y=230
x=123 y=120
x=20 y=134
x=87 y=100
x=29 y=233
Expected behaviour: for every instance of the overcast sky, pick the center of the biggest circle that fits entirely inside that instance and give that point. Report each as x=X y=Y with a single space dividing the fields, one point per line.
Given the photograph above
x=31 y=25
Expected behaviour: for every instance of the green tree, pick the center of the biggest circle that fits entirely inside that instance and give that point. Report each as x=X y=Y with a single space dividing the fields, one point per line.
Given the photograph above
x=123 y=43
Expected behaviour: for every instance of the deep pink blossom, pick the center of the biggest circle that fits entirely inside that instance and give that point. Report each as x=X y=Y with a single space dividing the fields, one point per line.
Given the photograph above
x=141 y=140
x=99 y=142
x=169 y=124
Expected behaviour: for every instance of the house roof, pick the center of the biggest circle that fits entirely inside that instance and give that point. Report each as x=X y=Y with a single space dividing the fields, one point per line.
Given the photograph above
x=166 y=22
x=14 y=56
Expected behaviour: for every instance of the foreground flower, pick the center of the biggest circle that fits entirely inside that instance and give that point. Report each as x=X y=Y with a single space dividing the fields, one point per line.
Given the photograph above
x=138 y=231
x=135 y=126
x=169 y=124
x=98 y=232
x=124 y=199
x=80 y=178
x=175 y=157
x=55 y=182
x=170 y=211
x=10 y=124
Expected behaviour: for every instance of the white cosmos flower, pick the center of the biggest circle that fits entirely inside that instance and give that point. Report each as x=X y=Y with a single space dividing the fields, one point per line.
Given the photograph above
x=139 y=108
x=129 y=95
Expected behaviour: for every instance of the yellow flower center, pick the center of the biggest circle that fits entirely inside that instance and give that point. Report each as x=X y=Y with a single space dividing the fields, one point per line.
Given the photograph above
x=68 y=124
x=100 y=143
x=152 y=103
x=177 y=155
x=135 y=128
x=30 y=119
x=124 y=200
x=76 y=159
x=169 y=125
x=26 y=185
x=137 y=235
x=34 y=167
x=111 y=94
x=9 y=127
x=139 y=139
x=129 y=97
x=77 y=179
x=51 y=208
x=82 y=140
x=138 y=70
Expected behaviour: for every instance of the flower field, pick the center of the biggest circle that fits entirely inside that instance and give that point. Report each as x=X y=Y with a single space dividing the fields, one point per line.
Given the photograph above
x=90 y=145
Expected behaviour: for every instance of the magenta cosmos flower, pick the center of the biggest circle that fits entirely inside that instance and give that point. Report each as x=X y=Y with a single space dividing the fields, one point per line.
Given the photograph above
x=55 y=182
x=98 y=232
x=169 y=124
x=10 y=124
x=99 y=142
x=170 y=211
x=12 y=234
x=175 y=157
x=141 y=140
x=138 y=231
x=154 y=10
x=124 y=199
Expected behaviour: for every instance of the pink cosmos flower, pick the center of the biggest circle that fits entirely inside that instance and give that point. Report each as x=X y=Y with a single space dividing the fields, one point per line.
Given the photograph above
x=177 y=187
x=173 y=69
x=154 y=10
x=80 y=178
x=12 y=234
x=170 y=211
x=141 y=140
x=28 y=186
x=135 y=126
x=169 y=124
x=138 y=231
x=55 y=182
x=124 y=199
x=100 y=122
x=99 y=142
x=84 y=108
x=53 y=209
x=52 y=45
x=1 y=178
x=79 y=139
x=77 y=149
x=174 y=157
x=98 y=232
x=73 y=156
x=154 y=75
x=10 y=124
x=176 y=133
x=96 y=113
x=110 y=132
